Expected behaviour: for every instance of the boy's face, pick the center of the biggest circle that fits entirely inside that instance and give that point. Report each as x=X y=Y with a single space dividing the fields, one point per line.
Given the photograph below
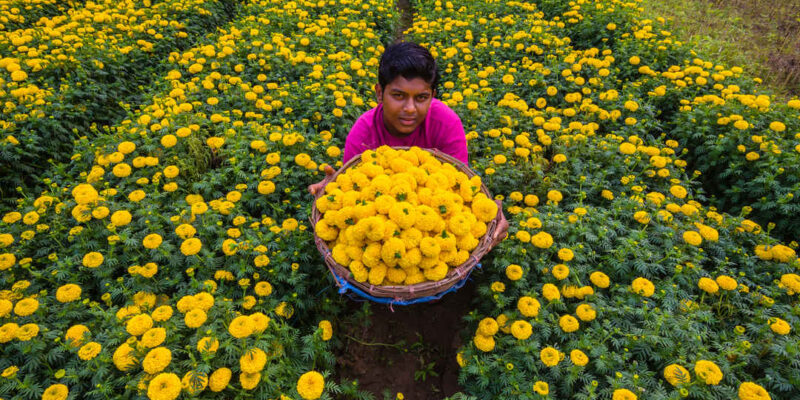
x=405 y=104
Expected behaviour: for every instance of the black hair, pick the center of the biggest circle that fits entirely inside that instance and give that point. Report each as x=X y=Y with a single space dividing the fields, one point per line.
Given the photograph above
x=409 y=60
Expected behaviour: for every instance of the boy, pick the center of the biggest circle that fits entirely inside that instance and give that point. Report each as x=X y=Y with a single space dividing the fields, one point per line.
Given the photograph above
x=408 y=114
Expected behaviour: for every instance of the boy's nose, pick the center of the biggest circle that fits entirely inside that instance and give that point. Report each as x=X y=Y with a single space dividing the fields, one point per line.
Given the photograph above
x=408 y=105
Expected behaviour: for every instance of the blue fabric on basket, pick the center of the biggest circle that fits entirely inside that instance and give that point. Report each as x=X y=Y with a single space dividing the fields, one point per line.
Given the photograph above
x=344 y=286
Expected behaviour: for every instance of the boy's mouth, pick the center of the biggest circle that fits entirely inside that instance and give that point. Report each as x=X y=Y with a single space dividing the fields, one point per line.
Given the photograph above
x=408 y=121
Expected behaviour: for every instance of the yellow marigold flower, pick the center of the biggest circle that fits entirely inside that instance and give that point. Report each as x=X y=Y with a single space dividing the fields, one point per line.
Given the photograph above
x=229 y=247
x=514 y=272
x=693 y=238
x=550 y=356
x=641 y=217
x=194 y=382
x=165 y=386
x=310 y=385
x=74 y=334
x=241 y=326
x=253 y=361
x=484 y=209
x=92 y=259
x=498 y=287
x=568 y=323
x=531 y=200
x=5 y=307
x=266 y=187
x=8 y=332
x=84 y=194
x=565 y=254
x=542 y=240
x=249 y=302
x=780 y=326
x=483 y=343
x=57 y=391
x=27 y=332
x=139 y=324
x=263 y=288
x=195 y=318
x=528 y=306
x=541 y=388
x=89 y=351
x=708 y=372
x=643 y=286
x=777 y=126
x=156 y=360
x=623 y=394
x=10 y=371
x=678 y=191
x=790 y=282
x=783 y=253
x=555 y=196
x=121 y=218
x=219 y=379
x=152 y=241
x=586 y=313
x=249 y=380
x=153 y=337
x=676 y=374
x=136 y=196
x=550 y=292
x=191 y=246
x=215 y=142
x=708 y=285
x=124 y=357
x=521 y=329
x=578 y=358
x=284 y=310
x=726 y=282
x=69 y=292
x=560 y=271
x=327 y=330
x=627 y=148
x=26 y=307
x=753 y=391
x=708 y=233
x=764 y=252
x=488 y=326
x=208 y=344
x=5 y=240
x=523 y=236
x=162 y=313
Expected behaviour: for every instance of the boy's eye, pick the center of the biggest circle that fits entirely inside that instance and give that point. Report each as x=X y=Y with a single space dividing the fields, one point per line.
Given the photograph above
x=422 y=97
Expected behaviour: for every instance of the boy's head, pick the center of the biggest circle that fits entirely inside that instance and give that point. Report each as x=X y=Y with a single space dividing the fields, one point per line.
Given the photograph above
x=408 y=60
x=407 y=78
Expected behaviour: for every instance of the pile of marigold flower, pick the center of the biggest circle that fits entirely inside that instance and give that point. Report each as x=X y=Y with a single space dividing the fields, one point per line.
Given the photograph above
x=402 y=217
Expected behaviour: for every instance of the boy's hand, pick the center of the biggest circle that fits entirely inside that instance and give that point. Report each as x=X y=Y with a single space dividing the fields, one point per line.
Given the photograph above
x=319 y=186
x=502 y=226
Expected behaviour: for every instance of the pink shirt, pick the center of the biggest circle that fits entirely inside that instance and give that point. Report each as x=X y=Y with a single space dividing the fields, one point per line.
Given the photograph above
x=442 y=129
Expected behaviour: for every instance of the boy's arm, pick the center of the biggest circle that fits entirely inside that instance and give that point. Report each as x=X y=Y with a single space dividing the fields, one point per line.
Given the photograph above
x=454 y=141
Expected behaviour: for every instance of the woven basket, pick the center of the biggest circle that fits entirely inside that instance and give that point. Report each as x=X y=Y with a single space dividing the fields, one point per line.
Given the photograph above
x=419 y=290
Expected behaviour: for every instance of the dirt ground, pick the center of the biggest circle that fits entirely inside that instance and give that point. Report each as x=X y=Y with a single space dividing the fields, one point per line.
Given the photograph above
x=406 y=349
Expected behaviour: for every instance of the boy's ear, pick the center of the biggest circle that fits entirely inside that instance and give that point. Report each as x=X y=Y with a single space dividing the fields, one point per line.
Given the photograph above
x=433 y=92
x=379 y=93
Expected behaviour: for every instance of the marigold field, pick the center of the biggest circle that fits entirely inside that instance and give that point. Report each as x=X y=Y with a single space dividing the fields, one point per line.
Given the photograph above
x=155 y=242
